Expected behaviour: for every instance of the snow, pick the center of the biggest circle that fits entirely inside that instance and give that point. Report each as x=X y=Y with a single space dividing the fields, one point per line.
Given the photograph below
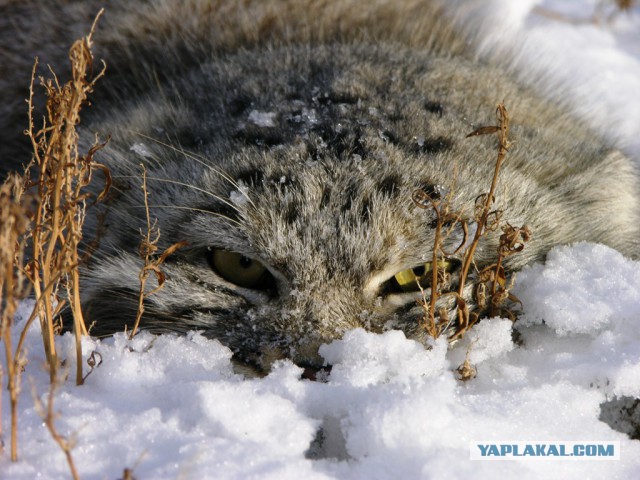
x=262 y=119
x=593 y=67
x=141 y=149
x=172 y=407
x=574 y=297
x=239 y=197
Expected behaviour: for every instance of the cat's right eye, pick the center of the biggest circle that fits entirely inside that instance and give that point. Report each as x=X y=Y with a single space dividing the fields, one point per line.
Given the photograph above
x=411 y=279
x=239 y=269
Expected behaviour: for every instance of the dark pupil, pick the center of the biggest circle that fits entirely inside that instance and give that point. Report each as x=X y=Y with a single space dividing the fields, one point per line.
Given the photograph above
x=419 y=271
x=245 y=262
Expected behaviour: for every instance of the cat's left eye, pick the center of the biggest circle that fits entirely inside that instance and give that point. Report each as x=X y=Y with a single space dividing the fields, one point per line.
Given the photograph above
x=239 y=269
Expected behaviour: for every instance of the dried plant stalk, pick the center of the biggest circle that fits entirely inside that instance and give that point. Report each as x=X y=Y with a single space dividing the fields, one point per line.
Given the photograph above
x=45 y=216
x=152 y=263
x=482 y=218
x=62 y=175
x=14 y=222
x=491 y=290
x=437 y=322
x=49 y=418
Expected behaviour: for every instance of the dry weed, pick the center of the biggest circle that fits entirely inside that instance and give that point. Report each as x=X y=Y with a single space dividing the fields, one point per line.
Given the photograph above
x=42 y=214
x=492 y=288
x=49 y=417
x=62 y=175
x=14 y=223
x=437 y=322
x=152 y=262
x=466 y=371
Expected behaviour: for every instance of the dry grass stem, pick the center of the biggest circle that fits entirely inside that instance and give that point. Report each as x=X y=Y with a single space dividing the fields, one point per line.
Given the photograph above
x=483 y=207
x=152 y=262
x=437 y=321
x=466 y=371
x=49 y=418
x=14 y=223
x=62 y=175
x=41 y=218
x=491 y=290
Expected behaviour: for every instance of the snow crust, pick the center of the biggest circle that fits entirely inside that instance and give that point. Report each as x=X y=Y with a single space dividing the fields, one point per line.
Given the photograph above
x=172 y=407
x=141 y=149
x=262 y=119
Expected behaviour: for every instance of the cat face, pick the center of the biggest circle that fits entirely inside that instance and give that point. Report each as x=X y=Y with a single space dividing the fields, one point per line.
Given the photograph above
x=290 y=172
x=294 y=193
x=285 y=252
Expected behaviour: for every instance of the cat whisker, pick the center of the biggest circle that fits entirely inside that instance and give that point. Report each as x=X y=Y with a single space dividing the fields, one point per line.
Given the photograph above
x=193 y=209
x=175 y=182
x=199 y=159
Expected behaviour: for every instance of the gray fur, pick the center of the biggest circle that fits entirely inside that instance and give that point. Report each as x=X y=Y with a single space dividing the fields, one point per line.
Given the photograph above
x=300 y=130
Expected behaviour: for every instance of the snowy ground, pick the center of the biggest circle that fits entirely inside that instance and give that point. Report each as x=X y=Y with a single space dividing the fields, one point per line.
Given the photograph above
x=173 y=408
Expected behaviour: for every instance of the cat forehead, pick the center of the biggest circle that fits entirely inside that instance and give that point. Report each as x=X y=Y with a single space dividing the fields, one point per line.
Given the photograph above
x=319 y=103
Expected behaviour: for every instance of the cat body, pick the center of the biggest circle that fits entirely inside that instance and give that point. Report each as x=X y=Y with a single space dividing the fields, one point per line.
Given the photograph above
x=284 y=141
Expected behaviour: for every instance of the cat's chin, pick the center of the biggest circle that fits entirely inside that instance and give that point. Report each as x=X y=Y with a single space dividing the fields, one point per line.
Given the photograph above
x=310 y=371
x=248 y=370
x=305 y=356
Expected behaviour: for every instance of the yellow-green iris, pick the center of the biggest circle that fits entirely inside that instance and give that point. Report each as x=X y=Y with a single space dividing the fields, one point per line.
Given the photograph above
x=238 y=269
x=408 y=279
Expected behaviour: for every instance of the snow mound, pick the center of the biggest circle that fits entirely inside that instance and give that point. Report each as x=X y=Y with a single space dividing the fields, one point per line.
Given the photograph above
x=170 y=406
x=581 y=289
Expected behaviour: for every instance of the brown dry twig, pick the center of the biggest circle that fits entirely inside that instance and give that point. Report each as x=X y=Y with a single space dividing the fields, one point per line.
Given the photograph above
x=491 y=289
x=152 y=263
x=486 y=219
x=42 y=219
x=62 y=178
x=49 y=417
x=14 y=223
x=436 y=322
x=466 y=371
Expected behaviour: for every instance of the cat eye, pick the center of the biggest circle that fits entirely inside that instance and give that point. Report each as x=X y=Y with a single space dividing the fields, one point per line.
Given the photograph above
x=240 y=269
x=408 y=280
